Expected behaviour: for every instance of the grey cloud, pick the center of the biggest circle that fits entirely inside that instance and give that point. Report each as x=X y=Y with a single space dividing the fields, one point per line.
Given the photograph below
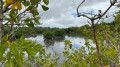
x=60 y=12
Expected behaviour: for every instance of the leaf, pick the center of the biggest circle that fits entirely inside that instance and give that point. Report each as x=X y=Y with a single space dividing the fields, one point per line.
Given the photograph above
x=8 y=56
x=8 y=43
x=7 y=37
x=8 y=1
x=31 y=51
x=19 y=6
x=37 y=20
x=44 y=8
x=13 y=6
x=46 y=2
x=104 y=41
x=99 y=11
x=22 y=39
x=49 y=64
x=2 y=51
x=31 y=24
x=26 y=3
x=12 y=22
x=29 y=8
x=7 y=18
x=35 y=12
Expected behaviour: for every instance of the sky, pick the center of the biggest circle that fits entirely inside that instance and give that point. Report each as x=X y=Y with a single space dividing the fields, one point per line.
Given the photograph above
x=62 y=13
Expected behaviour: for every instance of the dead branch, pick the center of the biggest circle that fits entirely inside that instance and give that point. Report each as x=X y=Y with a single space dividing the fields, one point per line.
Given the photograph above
x=78 y=8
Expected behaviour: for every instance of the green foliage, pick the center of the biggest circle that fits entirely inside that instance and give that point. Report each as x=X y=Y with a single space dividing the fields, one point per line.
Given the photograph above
x=44 y=8
x=15 y=56
x=46 y=2
x=31 y=8
x=48 y=35
x=59 y=33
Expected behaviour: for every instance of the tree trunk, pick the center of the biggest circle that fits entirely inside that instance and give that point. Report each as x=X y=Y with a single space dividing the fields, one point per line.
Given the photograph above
x=97 y=45
x=1 y=21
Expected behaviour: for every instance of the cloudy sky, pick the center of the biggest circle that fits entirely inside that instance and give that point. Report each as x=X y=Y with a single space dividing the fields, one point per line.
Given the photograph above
x=62 y=13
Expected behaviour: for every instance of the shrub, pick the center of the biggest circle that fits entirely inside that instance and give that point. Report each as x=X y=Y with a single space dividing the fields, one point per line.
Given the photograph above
x=48 y=35
x=59 y=32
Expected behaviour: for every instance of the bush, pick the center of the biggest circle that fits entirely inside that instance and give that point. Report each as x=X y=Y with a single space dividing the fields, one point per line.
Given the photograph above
x=48 y=35
x=59 y=33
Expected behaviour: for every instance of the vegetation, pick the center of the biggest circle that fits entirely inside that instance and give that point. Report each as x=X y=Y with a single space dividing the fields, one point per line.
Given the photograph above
x=15 y=56
x=88 y=58
x=48 y=35
x=106 y=37
x=55 y=32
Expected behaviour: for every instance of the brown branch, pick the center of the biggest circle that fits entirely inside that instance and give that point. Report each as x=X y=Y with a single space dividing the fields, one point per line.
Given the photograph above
x=89 y=22
x=15 y=17
x=85 y=16
x=78 y=8
x=112 y=3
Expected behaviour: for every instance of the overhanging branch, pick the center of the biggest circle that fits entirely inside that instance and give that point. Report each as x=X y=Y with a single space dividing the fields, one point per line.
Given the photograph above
x=79 y=6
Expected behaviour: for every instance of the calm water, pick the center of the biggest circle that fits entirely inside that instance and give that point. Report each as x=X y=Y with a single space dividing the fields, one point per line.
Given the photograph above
x=58 y=45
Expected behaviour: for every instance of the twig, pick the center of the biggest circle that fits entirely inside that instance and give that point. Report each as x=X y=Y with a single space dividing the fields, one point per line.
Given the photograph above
x=89 y=22
x=78 y=7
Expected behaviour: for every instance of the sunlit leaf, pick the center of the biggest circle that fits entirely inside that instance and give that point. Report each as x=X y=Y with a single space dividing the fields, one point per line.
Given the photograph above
x=44 y=8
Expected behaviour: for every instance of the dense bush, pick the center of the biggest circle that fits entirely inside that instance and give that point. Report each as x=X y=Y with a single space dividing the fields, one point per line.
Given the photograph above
x=48 y=35
x=59 y=33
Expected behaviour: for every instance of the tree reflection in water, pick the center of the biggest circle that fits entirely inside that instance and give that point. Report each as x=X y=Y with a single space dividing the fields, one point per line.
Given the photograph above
x=51 y=42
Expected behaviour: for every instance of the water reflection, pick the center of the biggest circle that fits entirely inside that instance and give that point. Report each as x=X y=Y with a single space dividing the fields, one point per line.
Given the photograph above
x=59 y=39
x=58 y=44
x=49 y=42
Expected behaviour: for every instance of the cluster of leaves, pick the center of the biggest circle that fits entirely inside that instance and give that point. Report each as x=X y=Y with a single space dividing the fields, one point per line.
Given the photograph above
x=82 y=57
x=19 y=8
x=23 y=53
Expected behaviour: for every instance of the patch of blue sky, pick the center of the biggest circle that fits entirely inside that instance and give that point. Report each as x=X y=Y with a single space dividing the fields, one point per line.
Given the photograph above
x=92 y=11
x=74 y=14
x=76 y=46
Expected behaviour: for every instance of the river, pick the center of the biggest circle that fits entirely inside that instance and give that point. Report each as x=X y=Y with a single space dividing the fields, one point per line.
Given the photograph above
x=57 y=46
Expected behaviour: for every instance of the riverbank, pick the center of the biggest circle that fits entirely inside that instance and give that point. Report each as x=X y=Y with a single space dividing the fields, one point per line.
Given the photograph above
x=54 y=33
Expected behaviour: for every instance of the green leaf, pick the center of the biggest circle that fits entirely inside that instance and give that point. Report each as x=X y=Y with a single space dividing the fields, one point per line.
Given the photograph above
x=46 y=2
x=7 y=18
x=31 y=24
x=22 y=39
x=29 y=8
x=37 y=20
x=8 y=56
x=35 y=12
x=31 y=51
x=26 y=3
x=44 y=8
x=2 y=51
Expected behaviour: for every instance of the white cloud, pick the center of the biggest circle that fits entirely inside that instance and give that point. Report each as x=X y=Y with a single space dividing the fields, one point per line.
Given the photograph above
x=60 y=12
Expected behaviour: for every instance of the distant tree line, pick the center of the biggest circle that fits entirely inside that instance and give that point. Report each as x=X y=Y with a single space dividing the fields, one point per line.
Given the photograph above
x=52 y=33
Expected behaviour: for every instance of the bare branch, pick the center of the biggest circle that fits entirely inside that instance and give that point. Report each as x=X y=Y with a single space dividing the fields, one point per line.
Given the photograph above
x=85 y=16
x=78 y=7
x=112 y=3
x=89 y=22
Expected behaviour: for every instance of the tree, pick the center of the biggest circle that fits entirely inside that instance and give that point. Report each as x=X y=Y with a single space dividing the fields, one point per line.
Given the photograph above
x=20 y=12
x=92 y=23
